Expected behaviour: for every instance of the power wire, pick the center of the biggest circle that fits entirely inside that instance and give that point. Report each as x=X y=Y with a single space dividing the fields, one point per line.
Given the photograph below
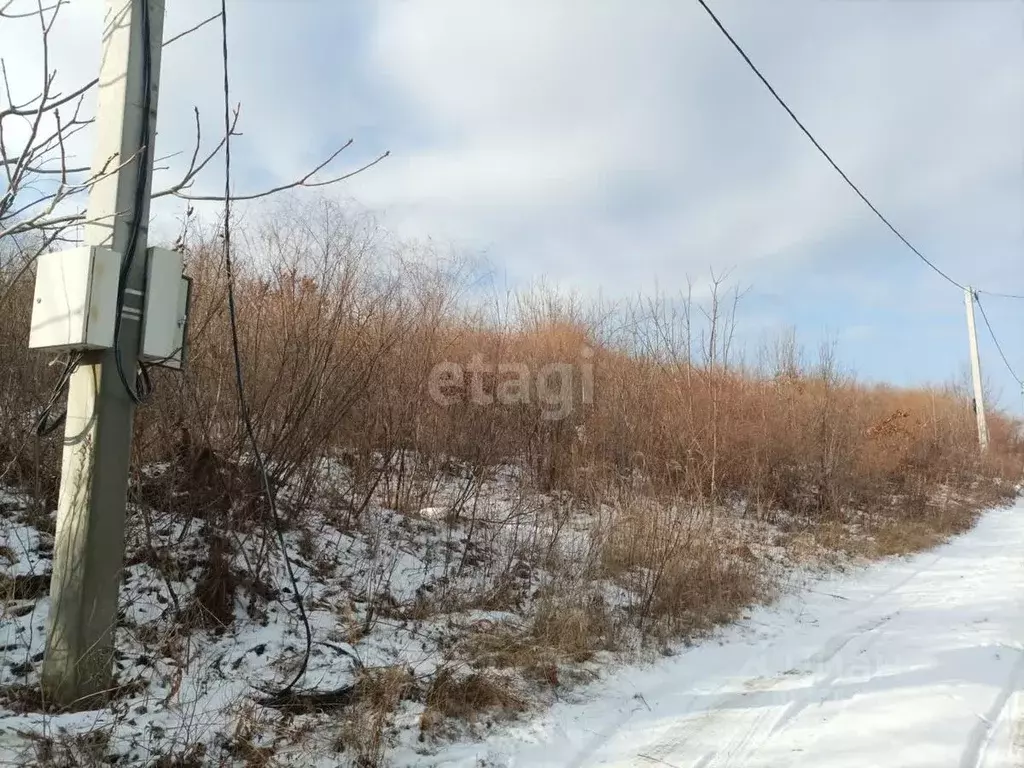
x=142 y=389
x=46 y=424
x=1002 y=295
x=995 y=341
x=860 y=194
x=239 y=379
x=821 y=149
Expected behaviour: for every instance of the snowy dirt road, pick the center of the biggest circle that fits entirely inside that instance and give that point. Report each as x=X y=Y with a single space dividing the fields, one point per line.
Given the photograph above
x=911 y=662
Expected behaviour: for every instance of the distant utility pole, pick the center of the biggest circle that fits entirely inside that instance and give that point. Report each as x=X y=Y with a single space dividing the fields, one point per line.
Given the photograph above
x=979 y=401
x=89 y=548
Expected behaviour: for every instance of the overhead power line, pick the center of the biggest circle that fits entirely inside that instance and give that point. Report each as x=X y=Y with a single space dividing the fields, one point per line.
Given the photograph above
x=995 y=341
x=822 y=150
x=863 y=197
x=1002 y=295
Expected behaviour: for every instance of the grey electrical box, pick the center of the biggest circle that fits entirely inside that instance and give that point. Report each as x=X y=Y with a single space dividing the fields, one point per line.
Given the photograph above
x=165 y=310
x=75 y=299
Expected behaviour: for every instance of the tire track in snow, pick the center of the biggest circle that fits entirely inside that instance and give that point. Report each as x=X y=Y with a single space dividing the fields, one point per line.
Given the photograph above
x=727 y=702
x=830 y=647
x=603 y=737
x=980 y=736
x=764 y=721
x=768 y=723
x=800 y=703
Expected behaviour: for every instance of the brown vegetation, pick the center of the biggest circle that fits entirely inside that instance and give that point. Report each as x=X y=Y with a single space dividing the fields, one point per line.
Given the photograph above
x=683 y=443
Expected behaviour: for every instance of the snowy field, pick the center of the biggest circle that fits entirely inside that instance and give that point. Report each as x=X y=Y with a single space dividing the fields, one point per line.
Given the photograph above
x=913 y=662
x=908 y=662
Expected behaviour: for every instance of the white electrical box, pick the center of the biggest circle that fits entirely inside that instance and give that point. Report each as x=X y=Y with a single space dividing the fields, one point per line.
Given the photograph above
x=165 y=310
x=75 y=299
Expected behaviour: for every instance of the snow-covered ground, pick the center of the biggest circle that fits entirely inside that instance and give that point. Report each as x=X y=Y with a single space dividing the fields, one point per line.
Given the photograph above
x=912 y=662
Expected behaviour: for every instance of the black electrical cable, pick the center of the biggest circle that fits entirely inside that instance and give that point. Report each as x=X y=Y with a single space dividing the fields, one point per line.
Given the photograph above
x=995 y=341
x=239 y=378
x=860 y=194
x=821 y=149
x=46 y=424
x=995 y=295
x=142 y=389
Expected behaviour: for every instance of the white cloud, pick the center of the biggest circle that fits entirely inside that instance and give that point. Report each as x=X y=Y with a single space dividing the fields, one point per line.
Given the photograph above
x=631 y=138
x=549 y=118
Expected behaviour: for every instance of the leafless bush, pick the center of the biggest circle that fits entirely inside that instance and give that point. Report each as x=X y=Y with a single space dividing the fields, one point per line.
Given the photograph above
x=341 y=327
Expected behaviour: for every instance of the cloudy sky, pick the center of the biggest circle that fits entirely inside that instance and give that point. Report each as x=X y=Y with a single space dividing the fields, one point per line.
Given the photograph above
x=617 y=146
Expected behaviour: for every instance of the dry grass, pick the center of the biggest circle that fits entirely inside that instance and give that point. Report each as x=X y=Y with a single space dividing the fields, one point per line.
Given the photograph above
x=894 y=536
x=87 y=750
x=31 y=698
x=561 y=635
x=575 y=626
x=468 y=698
x=366 y=728
x=685 y=575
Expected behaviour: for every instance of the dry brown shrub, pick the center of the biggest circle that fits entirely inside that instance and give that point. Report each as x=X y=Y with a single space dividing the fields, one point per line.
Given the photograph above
x=340 y=328
x=468 y=697
x=563 y=631
x=684 y=578
x=365 y=731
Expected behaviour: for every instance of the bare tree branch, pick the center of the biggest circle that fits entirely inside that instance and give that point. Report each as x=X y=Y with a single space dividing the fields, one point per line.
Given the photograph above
x=8 y=14
x=43 y=183
x=43 y=219
x=24 y=111
x=305 y=181
x=196 y=167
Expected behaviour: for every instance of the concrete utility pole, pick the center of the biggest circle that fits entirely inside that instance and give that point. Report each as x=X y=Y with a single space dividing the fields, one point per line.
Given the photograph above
x=89 y=549
x=979 y=402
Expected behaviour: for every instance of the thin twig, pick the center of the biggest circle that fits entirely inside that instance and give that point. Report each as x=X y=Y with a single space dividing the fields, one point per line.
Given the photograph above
x=189 y=31
x=303 y=182
x=6 y=14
